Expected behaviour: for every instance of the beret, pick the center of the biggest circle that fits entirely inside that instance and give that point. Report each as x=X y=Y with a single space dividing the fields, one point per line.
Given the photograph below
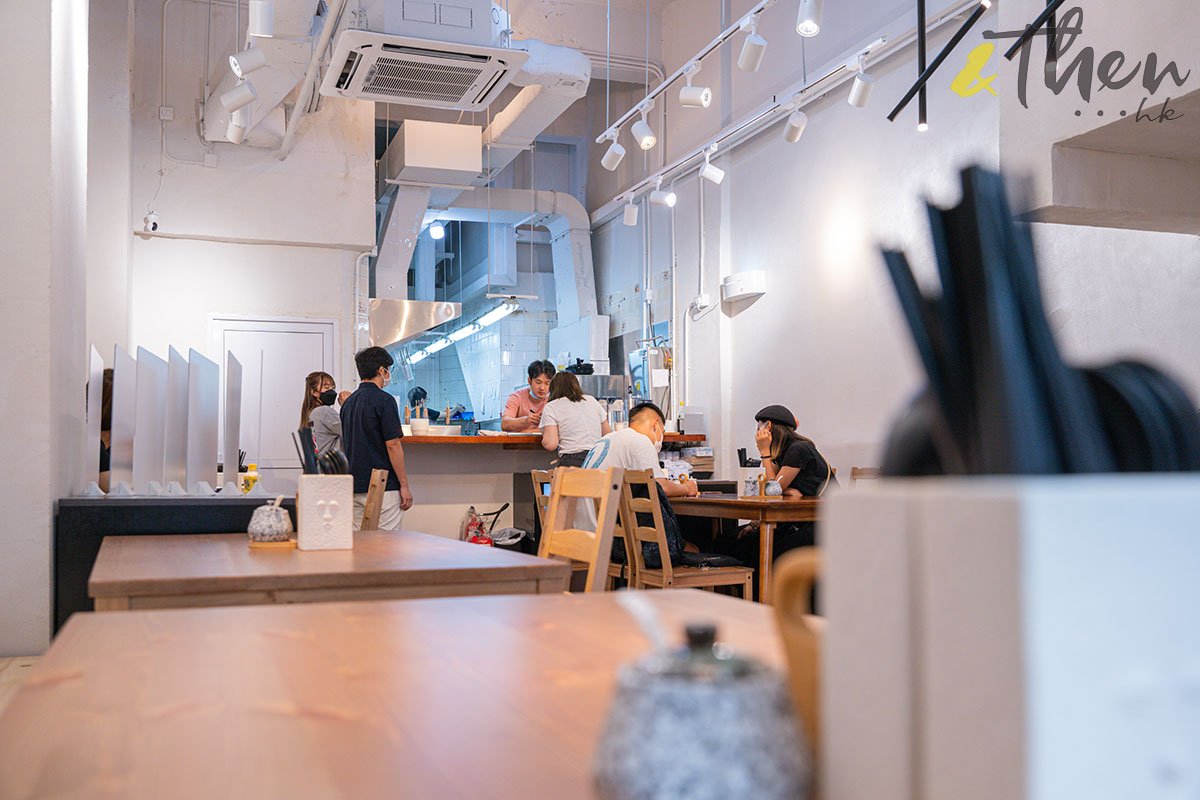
x=776 y=414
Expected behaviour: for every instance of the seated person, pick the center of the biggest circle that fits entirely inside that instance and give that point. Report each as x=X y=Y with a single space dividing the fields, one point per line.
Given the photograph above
x=801 y=470
x=523 y=411
x=572 y=421
x=418 y=402
x=637 y=447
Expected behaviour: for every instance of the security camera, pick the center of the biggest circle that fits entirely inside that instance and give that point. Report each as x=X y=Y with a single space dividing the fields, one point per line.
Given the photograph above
x=150 y=222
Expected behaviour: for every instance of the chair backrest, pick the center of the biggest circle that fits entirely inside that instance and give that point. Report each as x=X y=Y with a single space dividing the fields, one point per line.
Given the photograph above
x=541 y=479
x=560 y=537
x=374 y=502
x=635 y=533
x=795 y=574
x=864 y=473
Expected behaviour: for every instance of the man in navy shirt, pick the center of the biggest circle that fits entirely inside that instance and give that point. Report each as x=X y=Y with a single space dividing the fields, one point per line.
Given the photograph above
x=371 y=435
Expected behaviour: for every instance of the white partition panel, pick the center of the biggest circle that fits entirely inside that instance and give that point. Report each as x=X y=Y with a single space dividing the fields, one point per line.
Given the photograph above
x=95 y=396
x=151 y=419
x=124 y=409
x=203 y=398
x=233 y=417
x=176 y=431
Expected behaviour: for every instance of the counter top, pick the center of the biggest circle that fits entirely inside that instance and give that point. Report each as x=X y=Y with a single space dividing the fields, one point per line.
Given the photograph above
x=527 y=440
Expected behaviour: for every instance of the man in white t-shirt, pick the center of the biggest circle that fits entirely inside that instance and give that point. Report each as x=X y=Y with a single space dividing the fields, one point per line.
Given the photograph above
x=635 y=447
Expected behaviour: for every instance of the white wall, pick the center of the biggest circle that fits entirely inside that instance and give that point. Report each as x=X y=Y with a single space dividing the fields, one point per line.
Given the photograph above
x=827 y=339
x=42 y=309
x=247 y=223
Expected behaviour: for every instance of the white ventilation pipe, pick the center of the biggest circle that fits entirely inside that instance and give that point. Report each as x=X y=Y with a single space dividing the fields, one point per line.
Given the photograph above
x=554 y=78
x=307 y=83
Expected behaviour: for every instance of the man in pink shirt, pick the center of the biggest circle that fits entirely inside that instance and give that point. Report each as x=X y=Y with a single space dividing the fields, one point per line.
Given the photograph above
x=523 y=411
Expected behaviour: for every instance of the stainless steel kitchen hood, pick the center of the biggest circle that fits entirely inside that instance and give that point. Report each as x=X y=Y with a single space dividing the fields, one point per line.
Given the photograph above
x=401 y=321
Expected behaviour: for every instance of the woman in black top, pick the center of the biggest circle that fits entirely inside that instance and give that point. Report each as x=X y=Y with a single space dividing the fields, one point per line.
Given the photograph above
x=801 y=470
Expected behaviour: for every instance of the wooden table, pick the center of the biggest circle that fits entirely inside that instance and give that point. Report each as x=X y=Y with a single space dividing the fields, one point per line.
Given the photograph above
x=221 y=569
x=480 y=697
x=766 y=511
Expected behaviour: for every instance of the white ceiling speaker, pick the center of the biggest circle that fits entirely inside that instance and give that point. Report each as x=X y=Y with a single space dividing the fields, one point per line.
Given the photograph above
x=711 y=172
x=247 y=61
x=239 y=96
x=262 y=19
x=860 y=92
x=629 y=216
x=665 y=199
x=694 y=96
x=794 y=129
x=752 y=49
x=808 y=18
x=643 y=133
x=612 y=156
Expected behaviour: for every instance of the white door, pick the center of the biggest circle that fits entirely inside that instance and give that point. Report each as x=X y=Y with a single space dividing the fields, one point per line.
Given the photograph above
x=276 y=354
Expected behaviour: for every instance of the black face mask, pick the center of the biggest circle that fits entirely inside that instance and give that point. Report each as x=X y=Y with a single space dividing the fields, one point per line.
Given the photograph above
x=328 y=397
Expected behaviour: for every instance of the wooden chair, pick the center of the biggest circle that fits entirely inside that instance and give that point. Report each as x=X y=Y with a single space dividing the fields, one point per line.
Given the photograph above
x=569 y=488
x=543 y=478
x=795 y=574
x=864 y=473
x=668 y=576
x=374 y=504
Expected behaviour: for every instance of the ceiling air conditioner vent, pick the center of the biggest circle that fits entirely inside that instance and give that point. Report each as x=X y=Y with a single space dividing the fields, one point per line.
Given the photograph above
x=394 y=69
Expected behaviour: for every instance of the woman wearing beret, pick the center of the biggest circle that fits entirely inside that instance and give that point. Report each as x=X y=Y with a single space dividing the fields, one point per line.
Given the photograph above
x=801 y=470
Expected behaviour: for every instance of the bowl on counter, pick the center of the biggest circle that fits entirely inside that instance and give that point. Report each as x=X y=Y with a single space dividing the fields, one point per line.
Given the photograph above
x=419 y=427
x=445 y=430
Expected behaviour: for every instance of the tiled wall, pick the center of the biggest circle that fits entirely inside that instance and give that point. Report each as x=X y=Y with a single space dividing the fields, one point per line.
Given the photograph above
x=493 y=361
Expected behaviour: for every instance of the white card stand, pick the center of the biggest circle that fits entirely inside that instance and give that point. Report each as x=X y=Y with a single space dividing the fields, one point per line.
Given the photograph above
x=175 y=489
x=122 y=489
x=93 y=490
x=325 y=512
x=204 y=489
x=1003 y=638
x=154 y=489
x=231 y=491
x=257 y=490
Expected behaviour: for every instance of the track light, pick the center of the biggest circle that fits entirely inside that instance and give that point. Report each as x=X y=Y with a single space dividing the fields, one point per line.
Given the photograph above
x=262 y=19
x=437 y=231
x=239 y=96
x=247 y=61
x=860 y=92
x=710 y=172
x=612 y=157
x=808 y=19
x=239 y=123
x=630 y=214
x=643 y=133
x=658 y=197
x=692 y=96
x=794 y=129
x=752 y=49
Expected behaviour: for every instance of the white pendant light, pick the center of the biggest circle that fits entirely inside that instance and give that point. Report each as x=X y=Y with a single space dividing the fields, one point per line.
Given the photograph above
x=794 y=128
x=630 y=215
x=711 y=172
x=693 y=96
x=612 y=156
x=643 y=133
x=437 y=231
x=239 y=96
x=247 y=61
x=262 y=19
x=808 y=19
x=752 y=49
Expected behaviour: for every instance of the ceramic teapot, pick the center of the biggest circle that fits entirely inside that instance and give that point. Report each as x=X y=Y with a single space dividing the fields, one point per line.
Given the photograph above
x=701 y=723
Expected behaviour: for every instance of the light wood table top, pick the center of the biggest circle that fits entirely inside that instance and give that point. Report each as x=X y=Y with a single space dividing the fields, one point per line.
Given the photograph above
x=480 y=697
x=766 y=511
x=221 y=569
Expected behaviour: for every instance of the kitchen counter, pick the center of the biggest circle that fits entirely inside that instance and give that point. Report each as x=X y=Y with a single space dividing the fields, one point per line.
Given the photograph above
x=527 y=441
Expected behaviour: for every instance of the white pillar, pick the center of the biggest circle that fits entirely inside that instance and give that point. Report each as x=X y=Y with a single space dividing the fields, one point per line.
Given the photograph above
x=43 y=151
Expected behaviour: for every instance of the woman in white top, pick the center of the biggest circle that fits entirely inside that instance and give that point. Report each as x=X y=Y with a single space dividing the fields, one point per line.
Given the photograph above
x=572 y=421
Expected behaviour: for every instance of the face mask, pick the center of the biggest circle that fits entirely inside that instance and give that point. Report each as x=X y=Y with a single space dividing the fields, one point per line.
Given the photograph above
x=658 y=445
x=533 y=393
x=328 y=397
